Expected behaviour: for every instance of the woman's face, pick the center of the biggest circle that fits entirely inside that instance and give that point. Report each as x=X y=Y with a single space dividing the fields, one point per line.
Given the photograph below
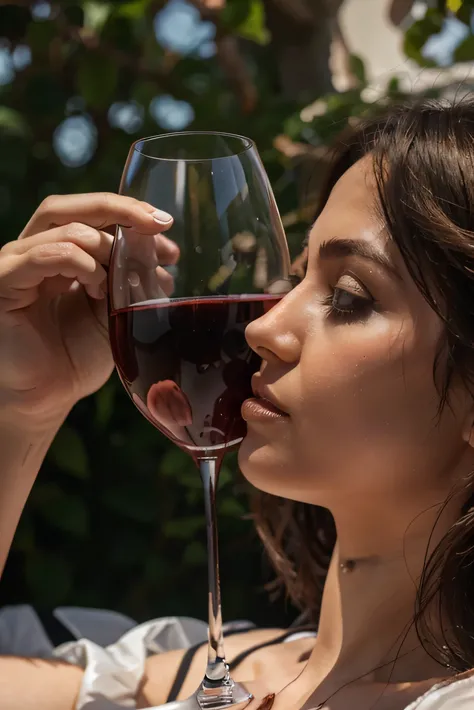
x=348 y=355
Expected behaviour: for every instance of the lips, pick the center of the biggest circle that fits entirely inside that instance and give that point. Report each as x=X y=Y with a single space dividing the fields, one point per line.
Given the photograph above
x=263 y=395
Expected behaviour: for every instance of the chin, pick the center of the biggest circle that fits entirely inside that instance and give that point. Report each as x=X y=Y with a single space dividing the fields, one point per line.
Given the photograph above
x=266 y=466
x=274 y=467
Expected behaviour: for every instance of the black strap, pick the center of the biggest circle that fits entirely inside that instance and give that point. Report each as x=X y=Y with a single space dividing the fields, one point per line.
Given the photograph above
x=188 y=659
x=191 y=652
x=182 y=672
x=279 y=639
x=55 y=630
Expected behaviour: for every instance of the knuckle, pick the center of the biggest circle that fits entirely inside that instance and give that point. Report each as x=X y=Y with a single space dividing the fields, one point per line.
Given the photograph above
x=49 y=204
x=8 y=248
x=60 y=251
x=105 y=200
x=81 y=232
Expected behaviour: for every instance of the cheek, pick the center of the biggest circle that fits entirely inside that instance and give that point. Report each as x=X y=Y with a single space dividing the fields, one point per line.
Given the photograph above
x=363 y=418
x=367 y=398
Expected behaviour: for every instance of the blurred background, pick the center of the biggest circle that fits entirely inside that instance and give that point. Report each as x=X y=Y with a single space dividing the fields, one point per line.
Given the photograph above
x=116 y=517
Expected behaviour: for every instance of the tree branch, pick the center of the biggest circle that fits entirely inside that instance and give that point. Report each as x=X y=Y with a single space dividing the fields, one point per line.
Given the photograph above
x=229 y=55
x=90 y=41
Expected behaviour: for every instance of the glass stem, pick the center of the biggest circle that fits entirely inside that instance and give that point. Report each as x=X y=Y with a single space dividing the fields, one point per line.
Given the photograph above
x=217 y=669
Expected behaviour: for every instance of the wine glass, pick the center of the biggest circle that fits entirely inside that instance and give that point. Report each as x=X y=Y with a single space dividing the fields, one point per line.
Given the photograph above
x=178 y=308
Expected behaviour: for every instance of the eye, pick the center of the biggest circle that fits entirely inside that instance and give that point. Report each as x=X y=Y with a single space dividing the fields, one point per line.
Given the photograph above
x=349 y=301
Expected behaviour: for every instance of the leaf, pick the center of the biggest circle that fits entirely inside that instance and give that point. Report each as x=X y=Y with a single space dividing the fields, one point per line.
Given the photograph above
x=225 y=477
x=464 y=12
x=357 y=67
x=13 y=122
x=393 y=86
x=69 y=454
x=97 y=80
x=235 y=13
x=104 y=403
x=134 y=10
x=292 y=126
x=418 y=34
x=49 y=578
x=231 y=508
x=174 y=461
x=96 y=14
x=254 y=27
x=464 y=52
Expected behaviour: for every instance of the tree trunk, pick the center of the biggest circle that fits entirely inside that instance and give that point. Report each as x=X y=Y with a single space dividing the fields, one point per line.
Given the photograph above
x=302 y=32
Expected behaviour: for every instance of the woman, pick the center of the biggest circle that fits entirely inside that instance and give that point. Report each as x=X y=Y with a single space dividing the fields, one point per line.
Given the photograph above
x=364 y=396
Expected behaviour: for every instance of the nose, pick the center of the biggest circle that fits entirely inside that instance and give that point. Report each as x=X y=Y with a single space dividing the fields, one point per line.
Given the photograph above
x=274 y=336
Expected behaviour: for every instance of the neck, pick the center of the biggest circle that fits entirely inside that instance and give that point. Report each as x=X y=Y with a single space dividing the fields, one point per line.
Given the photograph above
x=366 y=630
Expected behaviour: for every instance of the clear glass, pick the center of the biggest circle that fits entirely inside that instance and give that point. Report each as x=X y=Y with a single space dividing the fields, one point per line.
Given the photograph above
x=179 y=303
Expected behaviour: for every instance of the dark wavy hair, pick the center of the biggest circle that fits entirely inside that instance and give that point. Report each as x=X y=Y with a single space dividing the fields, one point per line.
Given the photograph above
x=423 y=160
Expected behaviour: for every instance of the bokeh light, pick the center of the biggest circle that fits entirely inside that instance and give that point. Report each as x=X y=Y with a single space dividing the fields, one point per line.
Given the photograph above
x=170 y=114
x=75 y=140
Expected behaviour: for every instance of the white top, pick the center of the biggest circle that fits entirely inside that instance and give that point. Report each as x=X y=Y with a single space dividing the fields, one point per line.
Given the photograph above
x=112 y=673
x=458 y=695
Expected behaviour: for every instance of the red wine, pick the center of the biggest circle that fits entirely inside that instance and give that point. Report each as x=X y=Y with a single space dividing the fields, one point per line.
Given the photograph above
x=187 y=366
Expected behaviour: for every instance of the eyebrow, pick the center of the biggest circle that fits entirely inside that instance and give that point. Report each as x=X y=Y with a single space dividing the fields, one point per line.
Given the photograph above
x=339 y=248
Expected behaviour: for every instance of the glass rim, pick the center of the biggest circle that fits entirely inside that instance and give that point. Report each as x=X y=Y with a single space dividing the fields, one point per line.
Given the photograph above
x=249 y=144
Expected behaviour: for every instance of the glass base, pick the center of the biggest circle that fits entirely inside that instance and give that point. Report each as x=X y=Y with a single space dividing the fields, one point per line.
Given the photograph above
x=221 y=694
x=207 y=699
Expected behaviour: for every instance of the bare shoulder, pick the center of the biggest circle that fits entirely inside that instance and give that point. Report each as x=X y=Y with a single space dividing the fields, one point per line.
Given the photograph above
x=161 y=670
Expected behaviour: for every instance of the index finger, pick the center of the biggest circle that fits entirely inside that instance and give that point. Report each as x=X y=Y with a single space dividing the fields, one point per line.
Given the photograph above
x=99 y=210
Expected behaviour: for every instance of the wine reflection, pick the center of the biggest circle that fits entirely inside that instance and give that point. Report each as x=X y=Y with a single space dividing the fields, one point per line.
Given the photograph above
x=187 y=365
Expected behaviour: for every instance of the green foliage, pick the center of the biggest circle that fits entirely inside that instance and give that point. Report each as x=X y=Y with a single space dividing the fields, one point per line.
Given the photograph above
x=68 y=452
x=97 y=80
x=418 y=34
x=465 y=51
x=116 y=517
x=253 y=26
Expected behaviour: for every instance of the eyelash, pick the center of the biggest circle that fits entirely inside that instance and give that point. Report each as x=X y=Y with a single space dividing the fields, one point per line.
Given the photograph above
x=360 y=311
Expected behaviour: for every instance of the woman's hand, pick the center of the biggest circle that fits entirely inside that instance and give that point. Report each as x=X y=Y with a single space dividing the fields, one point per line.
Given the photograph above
x=54 y=346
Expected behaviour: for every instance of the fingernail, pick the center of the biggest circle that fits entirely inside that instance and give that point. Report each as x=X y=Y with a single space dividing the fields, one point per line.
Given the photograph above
x=162 y=217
